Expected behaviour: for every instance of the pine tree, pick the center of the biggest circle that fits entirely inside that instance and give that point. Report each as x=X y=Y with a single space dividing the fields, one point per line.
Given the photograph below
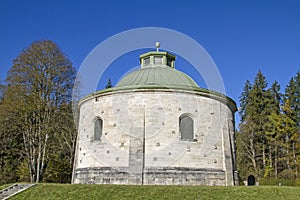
x=2 y=89
x=257 y=104
x=292 y=117
x=253 y=104
x=292 y=93
x=244 y=98
x=258 y=107
x=269 y=130
x=275 y=98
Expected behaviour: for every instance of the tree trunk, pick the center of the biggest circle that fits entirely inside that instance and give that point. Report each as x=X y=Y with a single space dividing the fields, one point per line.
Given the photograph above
x=253 y=158
x=264 y=158
x=270 y=159
x=44 y=156
x=38 y=159
x=287 y=158
x=276 y=162
x=295 y=160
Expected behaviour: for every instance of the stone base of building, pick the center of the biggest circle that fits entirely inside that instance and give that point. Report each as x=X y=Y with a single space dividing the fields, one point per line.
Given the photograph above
x=150 y=176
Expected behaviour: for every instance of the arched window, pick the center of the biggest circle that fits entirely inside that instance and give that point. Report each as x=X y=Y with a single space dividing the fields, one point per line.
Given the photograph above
x=98 y=126
x=186 y=127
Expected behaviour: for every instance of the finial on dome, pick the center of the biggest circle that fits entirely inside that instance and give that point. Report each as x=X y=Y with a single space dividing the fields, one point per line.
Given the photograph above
x=157 y=45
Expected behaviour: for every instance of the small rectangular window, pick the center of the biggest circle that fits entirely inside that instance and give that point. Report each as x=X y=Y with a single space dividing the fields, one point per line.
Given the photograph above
x=147 y=61
x=169 y=62
x=186 y=127
x=98 y=126
x=158 y=59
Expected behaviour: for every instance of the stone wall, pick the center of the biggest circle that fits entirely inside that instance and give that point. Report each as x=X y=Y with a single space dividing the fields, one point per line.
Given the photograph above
x=151 y=176
x=141 y=142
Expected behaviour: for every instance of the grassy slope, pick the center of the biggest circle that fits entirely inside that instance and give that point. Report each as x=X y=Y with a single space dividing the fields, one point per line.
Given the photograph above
x=67 y=191
x=4 y=186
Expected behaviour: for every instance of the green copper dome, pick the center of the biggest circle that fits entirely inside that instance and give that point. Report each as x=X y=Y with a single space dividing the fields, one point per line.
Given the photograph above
x=157 y=71
x=157 y=76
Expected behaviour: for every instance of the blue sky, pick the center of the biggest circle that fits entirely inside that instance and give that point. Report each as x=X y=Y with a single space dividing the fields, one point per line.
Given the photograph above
x=242 y=37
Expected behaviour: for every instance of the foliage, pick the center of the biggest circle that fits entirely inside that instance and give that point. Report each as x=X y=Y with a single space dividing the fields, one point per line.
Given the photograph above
x=279 y=181
x=36 y=111
x=4 y=186
x=292 y=94
x=268 y=142
x=2 y=89
x=10 y=142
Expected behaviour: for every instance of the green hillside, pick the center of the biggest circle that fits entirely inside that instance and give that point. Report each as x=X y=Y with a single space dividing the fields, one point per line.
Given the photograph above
x=67 y=191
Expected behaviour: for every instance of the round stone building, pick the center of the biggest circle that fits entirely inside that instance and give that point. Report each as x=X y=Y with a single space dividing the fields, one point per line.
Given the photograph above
x=157 y=126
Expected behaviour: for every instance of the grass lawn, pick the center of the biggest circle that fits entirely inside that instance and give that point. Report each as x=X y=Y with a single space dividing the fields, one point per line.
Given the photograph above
x=68 y=191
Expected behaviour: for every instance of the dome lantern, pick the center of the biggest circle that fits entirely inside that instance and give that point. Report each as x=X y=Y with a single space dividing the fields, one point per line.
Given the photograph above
x=157 y=71
x=157 y=58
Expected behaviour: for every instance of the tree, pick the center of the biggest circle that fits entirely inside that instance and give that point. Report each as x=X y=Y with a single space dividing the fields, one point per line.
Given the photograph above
x=292 y=94
x=108 y=84
x=257 y=104
x=268 y=141
x=275 y=99
x=245 y=138
x=2 y=89
x=61 y=156
x=244 y=99
x=40 y=84
x=272 y=113
x=292 y=110
x=256 y=113
x=10 y=140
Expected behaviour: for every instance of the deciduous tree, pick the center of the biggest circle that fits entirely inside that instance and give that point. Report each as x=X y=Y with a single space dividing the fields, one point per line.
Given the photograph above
x=40 y=85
